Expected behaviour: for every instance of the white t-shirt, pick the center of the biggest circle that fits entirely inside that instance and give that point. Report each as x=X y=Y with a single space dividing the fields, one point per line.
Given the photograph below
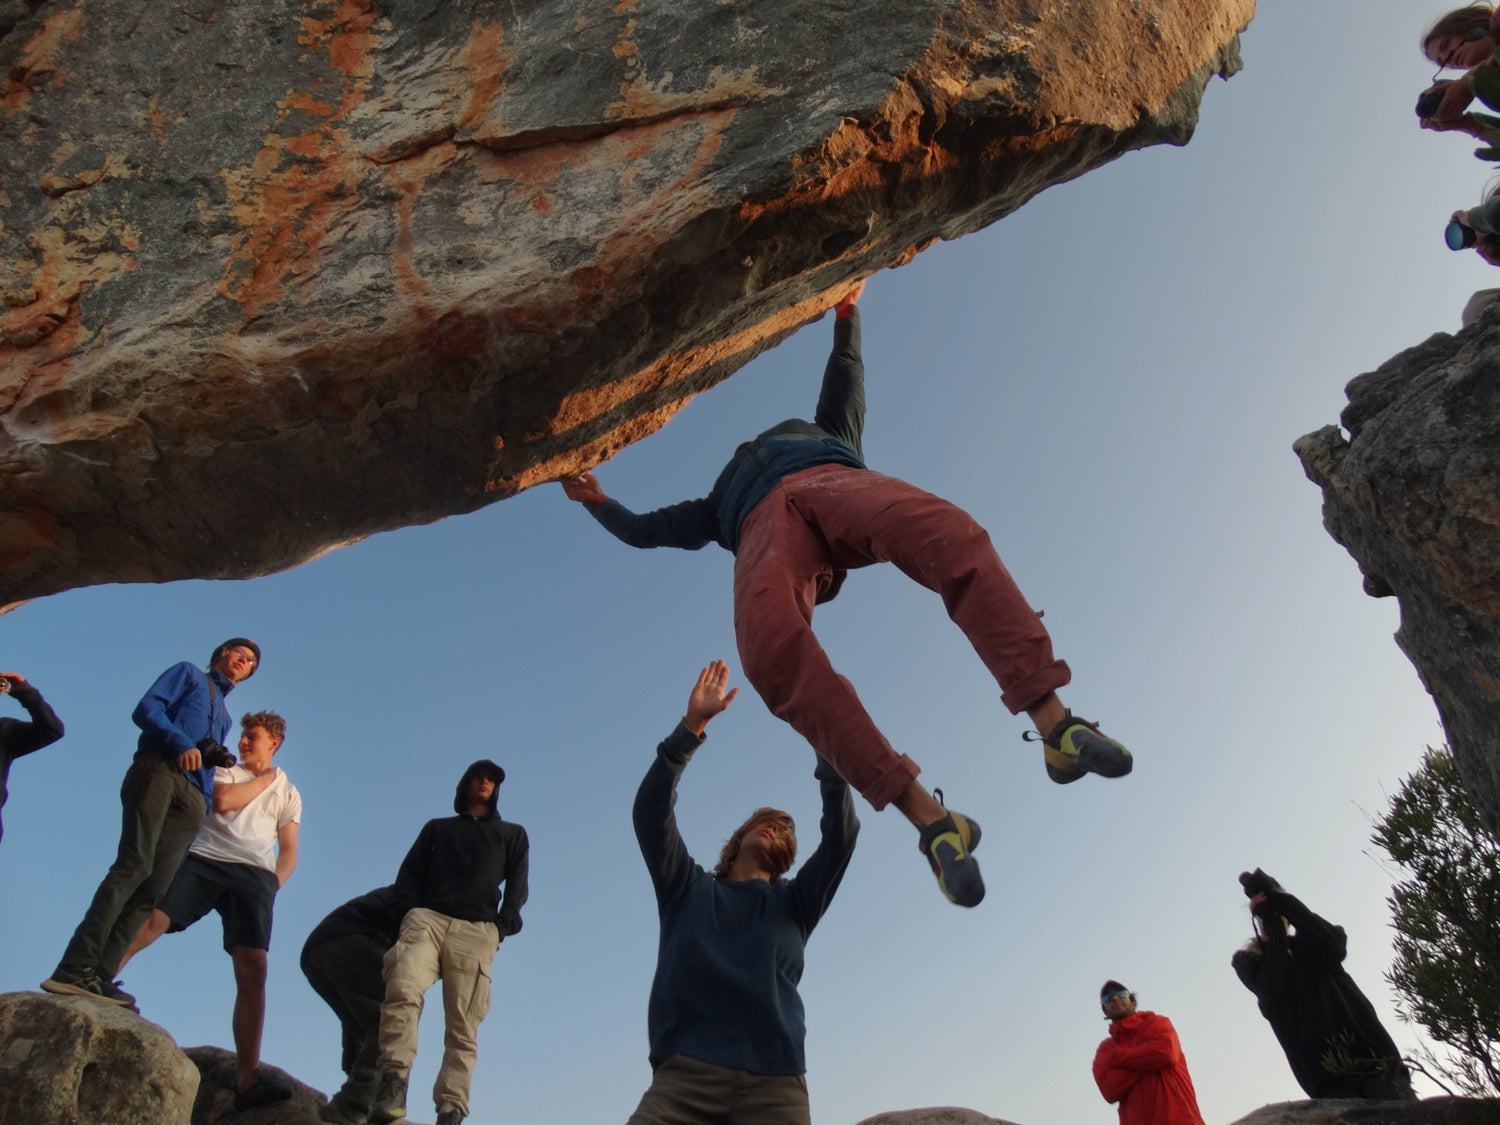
x=248 y=834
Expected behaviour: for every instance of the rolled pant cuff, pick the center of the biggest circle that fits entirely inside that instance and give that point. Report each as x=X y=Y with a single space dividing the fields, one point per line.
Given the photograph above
x=891 y=784
x=1034 y=688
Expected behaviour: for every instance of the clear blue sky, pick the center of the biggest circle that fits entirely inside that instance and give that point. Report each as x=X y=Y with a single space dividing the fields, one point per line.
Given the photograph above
x=1110 y=380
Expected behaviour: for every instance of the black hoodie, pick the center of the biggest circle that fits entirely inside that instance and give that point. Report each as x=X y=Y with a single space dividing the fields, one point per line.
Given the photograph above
x=458 y=862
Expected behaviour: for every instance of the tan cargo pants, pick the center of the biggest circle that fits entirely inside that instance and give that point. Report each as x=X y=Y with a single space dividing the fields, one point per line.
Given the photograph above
x=434 y=947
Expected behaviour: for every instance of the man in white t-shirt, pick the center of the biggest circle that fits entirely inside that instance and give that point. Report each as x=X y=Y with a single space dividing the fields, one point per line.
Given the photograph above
x=245 y=852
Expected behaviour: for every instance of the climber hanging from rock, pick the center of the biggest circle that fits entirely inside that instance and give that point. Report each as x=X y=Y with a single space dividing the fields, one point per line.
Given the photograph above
x=798 y=508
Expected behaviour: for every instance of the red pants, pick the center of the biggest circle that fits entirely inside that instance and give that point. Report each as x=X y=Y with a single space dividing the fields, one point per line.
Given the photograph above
x=835 y=517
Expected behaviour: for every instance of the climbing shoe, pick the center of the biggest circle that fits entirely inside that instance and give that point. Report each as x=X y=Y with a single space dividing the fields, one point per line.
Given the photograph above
x=947 y=843
x=1075 y=747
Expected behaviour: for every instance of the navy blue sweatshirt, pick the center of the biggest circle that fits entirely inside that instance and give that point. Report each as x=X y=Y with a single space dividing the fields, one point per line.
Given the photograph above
x=831 y=438
x=731 y=951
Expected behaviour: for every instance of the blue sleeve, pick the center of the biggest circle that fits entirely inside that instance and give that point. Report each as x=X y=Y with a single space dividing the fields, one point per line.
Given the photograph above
x=152 y=712
x=841 y=402
x=689 y=525
x=656 y=831
x=814 y=887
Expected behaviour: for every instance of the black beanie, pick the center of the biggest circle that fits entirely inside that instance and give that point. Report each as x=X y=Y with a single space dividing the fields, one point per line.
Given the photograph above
x=231 y=643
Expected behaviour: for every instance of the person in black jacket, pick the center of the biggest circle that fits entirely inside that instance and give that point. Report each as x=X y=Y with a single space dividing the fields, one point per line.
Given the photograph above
x=449 y=887
x=725 y=1020
x=799 y=509
x=1332 y=1037
x=19 y=737
x=343 y=960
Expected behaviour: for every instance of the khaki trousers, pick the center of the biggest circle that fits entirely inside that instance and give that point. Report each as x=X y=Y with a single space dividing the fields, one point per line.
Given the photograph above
x=434 y=947
x=685 y=1091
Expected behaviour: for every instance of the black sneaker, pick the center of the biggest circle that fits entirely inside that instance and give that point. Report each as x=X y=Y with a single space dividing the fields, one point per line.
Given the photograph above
x=390 y=1100
x=947 y=843
x=265 y=1090
x=84 y=982
x=112 y=992
x=450 y=1117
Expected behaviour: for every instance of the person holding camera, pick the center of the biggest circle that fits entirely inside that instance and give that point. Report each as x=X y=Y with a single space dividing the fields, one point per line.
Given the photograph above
x=165 y=796
x=1479 y=228
x=1461 y=39
x=1334 y=1041
x=244 y=853
x=19 y=737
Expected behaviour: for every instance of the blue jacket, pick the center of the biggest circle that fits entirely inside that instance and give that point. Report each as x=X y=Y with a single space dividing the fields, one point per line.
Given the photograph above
x=731 y=951
x=175 y=713
x=831 y=438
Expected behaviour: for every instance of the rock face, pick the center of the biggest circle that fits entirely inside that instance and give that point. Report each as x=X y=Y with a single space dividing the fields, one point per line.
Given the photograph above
x=278 y=274
x=1432 y=1111
x=1413 y=493
x=215 y=1100
x=72 y=1060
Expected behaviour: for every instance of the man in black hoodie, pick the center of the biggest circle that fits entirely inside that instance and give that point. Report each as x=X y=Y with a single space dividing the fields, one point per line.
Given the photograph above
x=455 y=919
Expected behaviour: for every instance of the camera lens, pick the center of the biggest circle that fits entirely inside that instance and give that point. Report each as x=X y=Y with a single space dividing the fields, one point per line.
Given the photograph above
x=1458 y=236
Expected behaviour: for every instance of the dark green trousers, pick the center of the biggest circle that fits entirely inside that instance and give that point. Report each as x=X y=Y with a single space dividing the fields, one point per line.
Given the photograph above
x=346 y=972
x=161 y=814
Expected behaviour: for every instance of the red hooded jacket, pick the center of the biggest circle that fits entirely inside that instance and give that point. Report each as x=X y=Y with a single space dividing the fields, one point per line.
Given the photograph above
x=1141 y=1066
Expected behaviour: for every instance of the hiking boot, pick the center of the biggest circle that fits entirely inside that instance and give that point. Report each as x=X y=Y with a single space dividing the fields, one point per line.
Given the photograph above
x=390 y=1100
x=85 y=983
x=450 y=1117
x=947 y=843
x=341 y=1111
x=265 y=1090
x=1075 y=747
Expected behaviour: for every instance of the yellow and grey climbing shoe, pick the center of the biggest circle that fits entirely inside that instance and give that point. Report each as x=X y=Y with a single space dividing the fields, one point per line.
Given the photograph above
x=947 y=843
x=1075 y=747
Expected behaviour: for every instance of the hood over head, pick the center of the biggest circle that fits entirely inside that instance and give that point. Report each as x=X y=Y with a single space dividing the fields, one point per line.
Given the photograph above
x=482 y=768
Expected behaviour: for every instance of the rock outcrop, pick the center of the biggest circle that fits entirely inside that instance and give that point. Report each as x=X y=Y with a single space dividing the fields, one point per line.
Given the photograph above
x=1413 y=493
x=1431 y=1111
x=72 y=1060
x=215 y=1100
x=278 y=274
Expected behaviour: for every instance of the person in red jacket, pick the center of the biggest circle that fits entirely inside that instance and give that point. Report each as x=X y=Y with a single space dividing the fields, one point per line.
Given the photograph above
x=1141 y=1066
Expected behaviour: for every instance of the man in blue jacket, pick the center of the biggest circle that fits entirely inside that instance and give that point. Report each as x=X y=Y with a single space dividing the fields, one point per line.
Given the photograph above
x=725 y=1021
x=165 y=795
x=799 y=508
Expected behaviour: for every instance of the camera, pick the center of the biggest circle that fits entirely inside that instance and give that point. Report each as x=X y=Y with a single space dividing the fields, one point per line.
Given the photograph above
x=215 y=753
x=1257 y=882
x=4 y=684
x=1431 y=98
x=1458 y=236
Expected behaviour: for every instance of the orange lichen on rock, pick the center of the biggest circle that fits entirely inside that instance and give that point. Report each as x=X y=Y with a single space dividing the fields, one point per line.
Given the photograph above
x=485 y=64
x=36 y=66
x=346 y=34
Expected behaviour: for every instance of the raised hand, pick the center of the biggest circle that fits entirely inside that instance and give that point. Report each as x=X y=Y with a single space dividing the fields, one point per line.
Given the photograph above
x=708 y=697
x=585 y=489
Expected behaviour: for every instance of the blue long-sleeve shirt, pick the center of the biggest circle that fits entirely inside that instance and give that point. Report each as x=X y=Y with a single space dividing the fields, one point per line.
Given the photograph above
x=833 y=437
x=178 y=710
x=731 y=951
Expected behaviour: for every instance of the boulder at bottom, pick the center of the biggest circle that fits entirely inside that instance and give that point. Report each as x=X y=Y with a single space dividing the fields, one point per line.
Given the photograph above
x=215 y=1102
x=937 y=1115
x=1349 y=1111
x=69 y=1061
